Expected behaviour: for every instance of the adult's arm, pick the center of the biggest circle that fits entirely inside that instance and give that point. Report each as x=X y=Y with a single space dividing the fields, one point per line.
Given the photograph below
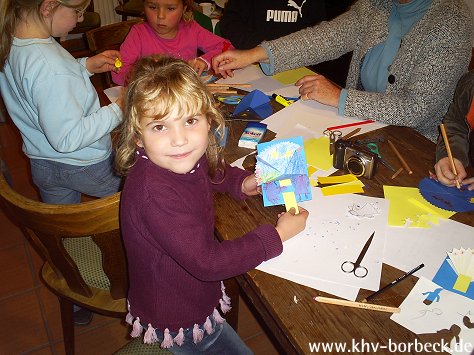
x=455 y=121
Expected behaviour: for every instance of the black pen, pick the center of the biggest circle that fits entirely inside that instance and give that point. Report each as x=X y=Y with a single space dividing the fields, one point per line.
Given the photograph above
x=394 y=282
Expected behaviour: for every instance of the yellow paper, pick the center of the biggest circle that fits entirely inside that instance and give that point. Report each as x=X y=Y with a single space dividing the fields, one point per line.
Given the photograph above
x=462 y=283
x=290 y=201
x=317 y=153
x=345 y=188
x=292 y=76
x=406 y=203
x=313 y=182
x=285 y=182
x=471 y=200
x=311 y=170
x=324 y=180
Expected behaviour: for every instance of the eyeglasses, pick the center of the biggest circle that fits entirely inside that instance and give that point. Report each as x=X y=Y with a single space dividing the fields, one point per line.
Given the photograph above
x=79 y=10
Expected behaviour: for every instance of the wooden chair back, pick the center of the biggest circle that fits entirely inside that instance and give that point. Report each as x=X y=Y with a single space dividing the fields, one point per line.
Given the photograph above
x=109 y=37
x=48 y=227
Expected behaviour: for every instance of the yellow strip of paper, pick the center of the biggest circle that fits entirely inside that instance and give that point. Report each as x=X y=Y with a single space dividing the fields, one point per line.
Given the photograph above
x=462 y=283
x=324 y=180
x=285 y=182
x=290 y=201
x=292 y=76
x=345 y=188
x=317 y=153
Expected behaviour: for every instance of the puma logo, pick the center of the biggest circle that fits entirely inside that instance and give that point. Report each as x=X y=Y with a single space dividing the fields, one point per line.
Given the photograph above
x=295 y=5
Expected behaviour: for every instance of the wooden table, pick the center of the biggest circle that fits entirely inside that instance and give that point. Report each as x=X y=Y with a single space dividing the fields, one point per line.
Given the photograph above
x=294 y=325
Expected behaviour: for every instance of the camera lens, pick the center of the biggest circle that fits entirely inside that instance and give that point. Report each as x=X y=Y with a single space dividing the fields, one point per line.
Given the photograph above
x=355 y=166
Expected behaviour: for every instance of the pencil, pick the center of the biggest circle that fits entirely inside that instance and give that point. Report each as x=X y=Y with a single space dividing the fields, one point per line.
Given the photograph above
x=399 y=156
x=397 y=173
x=224 y=91
x=373 y=307
x=350 y=125
x=393 y=283
x=351 y=133
x=450 y=154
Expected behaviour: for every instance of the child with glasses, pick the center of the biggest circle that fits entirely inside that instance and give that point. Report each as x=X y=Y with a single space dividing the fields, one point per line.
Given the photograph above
x=169 y=152
x=169 y=29
x=50 y=98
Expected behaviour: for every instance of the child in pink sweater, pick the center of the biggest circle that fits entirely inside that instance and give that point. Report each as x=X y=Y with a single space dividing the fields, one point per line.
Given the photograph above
x=169 y=29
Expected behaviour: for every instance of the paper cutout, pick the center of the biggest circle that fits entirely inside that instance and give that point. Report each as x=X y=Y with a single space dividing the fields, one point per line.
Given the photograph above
x=445 y=197
x=447 y=277
x=446 y=322
x=345 y=188
x=292 y=76
x=256 y=102
x=281 y=160
x=323 y=180
x=317 y=153
x=407 y=205
x=462 y=261
x=290 y=201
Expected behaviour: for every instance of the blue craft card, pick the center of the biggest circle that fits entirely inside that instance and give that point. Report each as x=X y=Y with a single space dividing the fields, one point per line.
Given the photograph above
x=446 y=278
x=256 y=102
x=281 y=167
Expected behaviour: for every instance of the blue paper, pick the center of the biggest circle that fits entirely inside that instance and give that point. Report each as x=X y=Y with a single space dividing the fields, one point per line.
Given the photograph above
x=281 y=160
x=445 y=197
x=256 y=102
x=446 y=277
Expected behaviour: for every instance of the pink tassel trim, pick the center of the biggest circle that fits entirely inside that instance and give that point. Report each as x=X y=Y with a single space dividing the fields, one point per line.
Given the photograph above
x=167 y=340
x=225 y=298
x=198 y=334
x=150 y=335
x=217 y=316
x=224 y=306
x=208 y=326
x=129 y=318
x=179 y=339
x=137 y=328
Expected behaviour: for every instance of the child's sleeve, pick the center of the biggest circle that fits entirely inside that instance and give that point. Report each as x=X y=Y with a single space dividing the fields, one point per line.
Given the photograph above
x=231 y=182
x=130 y=52
x=210 y=44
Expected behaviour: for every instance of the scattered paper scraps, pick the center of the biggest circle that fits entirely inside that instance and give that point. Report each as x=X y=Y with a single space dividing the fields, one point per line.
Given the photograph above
x=317 y=153
x=343 y=184
x=292 y=76
x=449 y=316
x=409 y=208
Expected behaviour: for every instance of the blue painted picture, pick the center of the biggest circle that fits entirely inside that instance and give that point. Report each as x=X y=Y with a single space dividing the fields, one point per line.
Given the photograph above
x=282 y=172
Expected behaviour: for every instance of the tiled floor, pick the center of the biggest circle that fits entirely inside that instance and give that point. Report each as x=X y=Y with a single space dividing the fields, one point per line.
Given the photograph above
x=30 y=320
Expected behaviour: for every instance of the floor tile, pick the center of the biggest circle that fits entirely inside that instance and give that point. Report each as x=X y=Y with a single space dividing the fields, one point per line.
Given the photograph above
x=11 y=234
x=248 y=325
x=16 y=273
x=22 y=328
x=261 y=345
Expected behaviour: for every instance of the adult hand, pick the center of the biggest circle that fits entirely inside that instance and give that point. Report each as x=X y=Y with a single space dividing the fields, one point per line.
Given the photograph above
x=249 y=186
x=198 y=65
x=290 y=224
x=102 y=62
x=446 y=176
x=320 y=89
x=226 y=62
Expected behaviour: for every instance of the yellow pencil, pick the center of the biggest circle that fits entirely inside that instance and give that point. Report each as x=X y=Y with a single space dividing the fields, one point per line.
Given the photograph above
x=373 y=307
x=450 y=154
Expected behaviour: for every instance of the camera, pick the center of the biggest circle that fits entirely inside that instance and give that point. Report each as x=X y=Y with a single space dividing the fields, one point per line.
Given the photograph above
x=354 y=159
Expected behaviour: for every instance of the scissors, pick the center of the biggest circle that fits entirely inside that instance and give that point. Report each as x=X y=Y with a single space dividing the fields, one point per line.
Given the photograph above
x=333 y=137
x=355 y=267
x=374 y=149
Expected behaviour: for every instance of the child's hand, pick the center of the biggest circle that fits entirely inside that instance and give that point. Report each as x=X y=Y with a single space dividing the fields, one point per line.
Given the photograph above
x=290 y=224
x=198 y=65
x=249 y=186
x=102 y=62
x=445 y=174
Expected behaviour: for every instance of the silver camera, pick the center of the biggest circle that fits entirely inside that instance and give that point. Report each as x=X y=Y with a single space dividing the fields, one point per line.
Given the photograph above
x=354 y=159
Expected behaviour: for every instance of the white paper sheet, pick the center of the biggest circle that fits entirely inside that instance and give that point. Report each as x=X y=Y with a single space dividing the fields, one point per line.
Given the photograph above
x=447 y=312
x=113 y=92
x=333 y=235
x=407 y=247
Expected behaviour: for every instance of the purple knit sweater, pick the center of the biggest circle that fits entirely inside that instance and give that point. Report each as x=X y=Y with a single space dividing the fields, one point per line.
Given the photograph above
x=175 y=264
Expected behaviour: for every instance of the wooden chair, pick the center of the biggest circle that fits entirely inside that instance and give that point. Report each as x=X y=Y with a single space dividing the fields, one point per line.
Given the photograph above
x=133 y=8
x=84 y=259
x=109 y=37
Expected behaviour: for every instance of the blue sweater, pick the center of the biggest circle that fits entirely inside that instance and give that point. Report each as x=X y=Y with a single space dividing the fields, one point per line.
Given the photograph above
x=52 y=101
